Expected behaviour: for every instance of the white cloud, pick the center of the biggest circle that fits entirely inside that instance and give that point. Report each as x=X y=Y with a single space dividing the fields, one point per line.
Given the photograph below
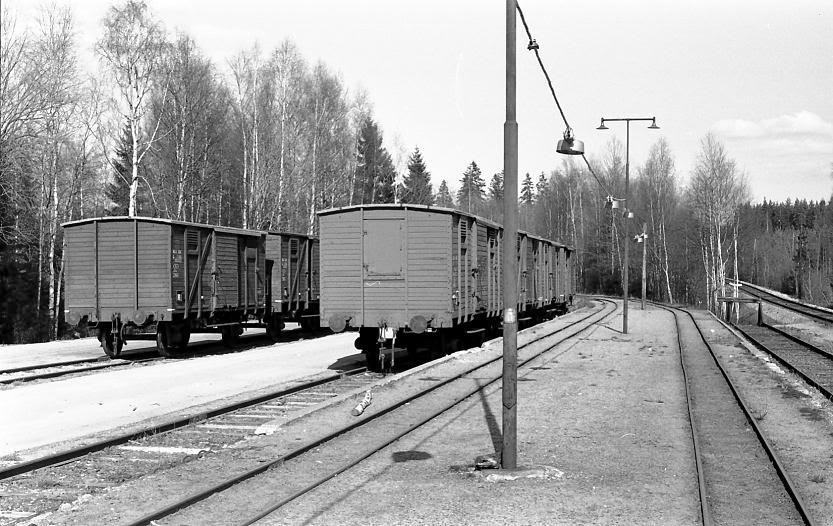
x=802 y=123
x=786 y=156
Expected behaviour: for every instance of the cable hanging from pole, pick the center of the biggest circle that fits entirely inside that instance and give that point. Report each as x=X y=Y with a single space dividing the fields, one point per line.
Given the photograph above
x=533 y=46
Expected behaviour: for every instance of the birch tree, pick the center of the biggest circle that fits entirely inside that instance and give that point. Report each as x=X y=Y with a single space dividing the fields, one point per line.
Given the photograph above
x=131 y=47
x=326 y=122
x=715 y=194
x=60 y=85
x=657 y=190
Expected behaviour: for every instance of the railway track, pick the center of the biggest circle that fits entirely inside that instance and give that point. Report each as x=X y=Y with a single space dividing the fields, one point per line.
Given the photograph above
x=50 y=371
x=59 y=369
x=41 y=485
x=386 y=421
x=812 y=311
x=813 y=364
x=740 y=475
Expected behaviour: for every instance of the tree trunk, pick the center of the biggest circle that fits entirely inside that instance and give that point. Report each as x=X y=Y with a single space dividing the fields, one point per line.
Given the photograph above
x=41 y=226
x=53 y=230
x=282 y=160
x=134 y=181
x=313 y=189
x=666 y=265
x=58 y=288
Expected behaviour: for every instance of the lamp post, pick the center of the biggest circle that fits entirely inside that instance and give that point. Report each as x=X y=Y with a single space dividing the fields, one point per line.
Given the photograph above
x=568 y=146
x=509 y=450
x=642 y=238
x=602 y=126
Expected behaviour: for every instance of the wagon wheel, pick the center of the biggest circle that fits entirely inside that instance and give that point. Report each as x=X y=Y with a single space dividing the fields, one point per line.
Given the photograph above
x=185 y=337
x=230 y=335
x=309 y=324
x=273 y=328
x=178 y=334
x=164 y=349
x=111 y=343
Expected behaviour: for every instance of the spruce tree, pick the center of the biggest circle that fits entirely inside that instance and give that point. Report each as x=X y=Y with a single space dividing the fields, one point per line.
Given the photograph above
x=443 y=197
x=417 y=185
x=375 y=174
x=541 y=185
x=527 y=191
x=118 y=190
x=495 y=206
x=384 y=190
x=496 y=188
x=470 y=195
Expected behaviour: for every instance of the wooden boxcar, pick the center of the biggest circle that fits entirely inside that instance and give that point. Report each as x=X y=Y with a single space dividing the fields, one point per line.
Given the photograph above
x=293 y=262
x=144 y=277
x=411 y=273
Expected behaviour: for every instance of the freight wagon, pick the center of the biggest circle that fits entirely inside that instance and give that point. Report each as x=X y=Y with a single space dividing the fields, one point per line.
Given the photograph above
x=429 y=277
x=292 y=262
x=140 y=278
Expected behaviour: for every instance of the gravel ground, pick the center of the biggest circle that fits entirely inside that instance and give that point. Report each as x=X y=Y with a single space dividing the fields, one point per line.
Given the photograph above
x=603 y=425
x=797 y=421
x=604 y=422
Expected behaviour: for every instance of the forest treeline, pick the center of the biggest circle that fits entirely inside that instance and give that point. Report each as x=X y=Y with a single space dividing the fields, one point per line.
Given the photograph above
x=267 y=139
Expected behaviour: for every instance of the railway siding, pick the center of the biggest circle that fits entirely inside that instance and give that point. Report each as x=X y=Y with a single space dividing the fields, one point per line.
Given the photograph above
x=603 y=418
x=119 y=503
x=796 y=419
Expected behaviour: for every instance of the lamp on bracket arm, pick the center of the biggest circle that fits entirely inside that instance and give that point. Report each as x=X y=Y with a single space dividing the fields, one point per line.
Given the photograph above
x=569 y=145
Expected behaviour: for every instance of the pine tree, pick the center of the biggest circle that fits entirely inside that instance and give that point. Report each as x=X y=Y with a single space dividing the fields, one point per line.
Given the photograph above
x=443 y=197
x=417 y=185
x=527 y=191
x=495 y=204
x=384 y=190
x=118 y=190
x=470 y=195
x=541 y=185
x=496 y=188
x=375 y=174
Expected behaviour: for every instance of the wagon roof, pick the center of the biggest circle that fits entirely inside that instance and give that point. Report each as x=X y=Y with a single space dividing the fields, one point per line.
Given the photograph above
x=293 y=234
x=122 y=219
x=394 y=206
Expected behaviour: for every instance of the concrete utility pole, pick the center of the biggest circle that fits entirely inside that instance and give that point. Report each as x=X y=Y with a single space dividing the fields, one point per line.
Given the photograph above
x=509 y=450
x=644 y=258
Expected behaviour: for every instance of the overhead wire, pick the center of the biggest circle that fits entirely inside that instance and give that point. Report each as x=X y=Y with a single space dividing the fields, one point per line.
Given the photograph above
x=533 y=46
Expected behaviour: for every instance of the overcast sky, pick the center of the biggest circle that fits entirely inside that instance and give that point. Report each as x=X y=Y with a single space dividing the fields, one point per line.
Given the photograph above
x=758 y=73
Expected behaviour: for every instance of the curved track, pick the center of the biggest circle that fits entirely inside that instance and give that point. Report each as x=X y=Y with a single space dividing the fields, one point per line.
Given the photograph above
x=790 y=304
x=397 y=428
x=686 y=323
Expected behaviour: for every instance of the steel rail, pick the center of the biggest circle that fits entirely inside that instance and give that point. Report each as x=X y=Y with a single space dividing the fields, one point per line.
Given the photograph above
x=75 y=453
x=107 y=362
x=413 y=426
x=768 y=448
x=372 y=451
x=788 y=303
x=705 y=510
x=807 y=377
x=54 y=364
x=796 y=339
x=194 y=498
x=67 y=372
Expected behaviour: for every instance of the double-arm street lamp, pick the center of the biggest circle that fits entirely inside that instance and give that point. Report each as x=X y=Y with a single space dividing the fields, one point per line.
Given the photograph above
x=602 y=126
